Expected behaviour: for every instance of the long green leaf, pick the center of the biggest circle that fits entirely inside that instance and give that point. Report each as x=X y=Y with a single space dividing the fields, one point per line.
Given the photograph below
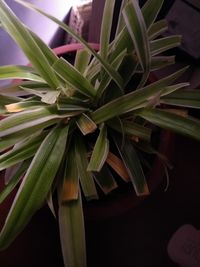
x=11 y=139
x=183 y=98
x=133 y=100
x=14 y=180
x=123 y=39
x=118 y=166
x=15 y=89
x=150 y=11
x=105 y=180
x=106 y=26
x=43 y=91
x=133 y=165
x=157 y=29
x=72 y=232
x=121 y=42
x=155 y=99
x=172 y=88
x=159 y=62
x=71 y=104
x=86 y=177
x=5 y=100
x=120 y=23
x=22 y=152
x=34 y=86
x=73 y=77
x=137 y=29
x=132 y=129
x=25 y=40
x=115 y=76
x=36 y=184
x=163 y=44
x=106 y=79
x=100 y=151
x=168 y=120
x=128 y=67
x=19 y=72
x=26 y=119
x=47 y=51
x=82 y=60
x=92 y=71
x=70 y=187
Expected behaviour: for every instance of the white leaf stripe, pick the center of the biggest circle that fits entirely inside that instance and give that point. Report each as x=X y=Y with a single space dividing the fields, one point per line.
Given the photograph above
x=114 y=74
x=100 y=151
x=106 y=25
x=36 y=184
x=138 y=32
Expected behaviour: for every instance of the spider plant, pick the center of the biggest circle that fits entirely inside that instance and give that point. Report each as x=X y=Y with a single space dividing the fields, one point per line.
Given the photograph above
x=61 y=132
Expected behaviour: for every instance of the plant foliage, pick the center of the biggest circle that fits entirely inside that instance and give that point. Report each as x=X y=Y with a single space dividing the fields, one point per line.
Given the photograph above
x=72 y=123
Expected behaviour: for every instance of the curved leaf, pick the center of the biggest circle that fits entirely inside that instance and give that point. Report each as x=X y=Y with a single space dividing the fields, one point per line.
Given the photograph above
x=131 y=128
x=25 y=40
x=171 y=121
x=73 y=77
x=133 y=165
x=157 y=29
x=19 y=72
x=82 y=60
x=163 y=44
x=86 y=177
x=11 y=139
x=118 y=166
x=100 y=151
x=134 y=100
x=72 y=232
x=26 y=119
x=137 y=29
x=150 y=11
x=106 y=26
x=111 y=71
x=23 y=151
x=14 y=180
x=36 y=184
x=105 y=180
x=70 y=186
x=184 y=98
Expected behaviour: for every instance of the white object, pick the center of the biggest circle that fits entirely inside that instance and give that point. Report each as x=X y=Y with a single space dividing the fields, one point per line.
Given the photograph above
x=184 y=246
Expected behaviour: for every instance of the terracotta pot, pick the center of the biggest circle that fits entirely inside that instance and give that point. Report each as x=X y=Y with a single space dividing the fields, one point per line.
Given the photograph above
x=72 y=48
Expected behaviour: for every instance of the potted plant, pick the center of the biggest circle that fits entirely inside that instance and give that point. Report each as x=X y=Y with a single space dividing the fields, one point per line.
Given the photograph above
x=70 y=125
